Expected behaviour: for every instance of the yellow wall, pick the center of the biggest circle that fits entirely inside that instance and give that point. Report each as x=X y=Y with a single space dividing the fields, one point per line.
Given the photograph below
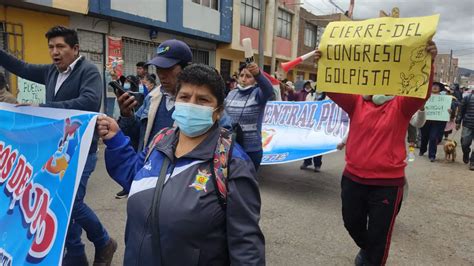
x=35 y=25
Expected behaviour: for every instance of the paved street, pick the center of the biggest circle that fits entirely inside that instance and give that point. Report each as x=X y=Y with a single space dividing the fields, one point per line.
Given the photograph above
x=302 y=222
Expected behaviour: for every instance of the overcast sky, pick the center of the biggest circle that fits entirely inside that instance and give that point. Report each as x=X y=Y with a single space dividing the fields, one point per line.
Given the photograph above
x=455 y=28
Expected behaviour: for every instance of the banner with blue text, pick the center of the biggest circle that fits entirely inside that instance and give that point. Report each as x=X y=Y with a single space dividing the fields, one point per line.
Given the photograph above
x=294 y=131
x=42 y=154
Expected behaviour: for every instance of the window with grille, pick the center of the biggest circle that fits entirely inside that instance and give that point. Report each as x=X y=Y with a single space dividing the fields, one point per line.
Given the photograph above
x=310 y=35
x=284 y=24
x=319 y=34
x=225 y=69
x=214 y=4
x=200 y=56
x=12 y=41
x=135 y=51
x=250 y=13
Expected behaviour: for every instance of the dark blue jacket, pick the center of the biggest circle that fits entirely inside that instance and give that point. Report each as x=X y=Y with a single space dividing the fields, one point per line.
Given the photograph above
x=194 y=228
x=247 y=107
x=466 y=112
x=82 y=90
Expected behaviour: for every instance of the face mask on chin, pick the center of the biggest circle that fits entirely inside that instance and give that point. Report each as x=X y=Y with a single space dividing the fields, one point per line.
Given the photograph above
x=192 y=119
x=381 y=99
x=242 y=88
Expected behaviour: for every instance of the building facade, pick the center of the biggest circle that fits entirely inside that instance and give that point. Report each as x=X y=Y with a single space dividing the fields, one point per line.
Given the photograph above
x=281 y=20
x=140 y=26
x=445 y=73
x=311 y=28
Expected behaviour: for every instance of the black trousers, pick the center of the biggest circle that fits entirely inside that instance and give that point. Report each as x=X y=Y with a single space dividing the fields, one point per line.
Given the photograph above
x=369 y=215
x=317 y=161
x=432 y=134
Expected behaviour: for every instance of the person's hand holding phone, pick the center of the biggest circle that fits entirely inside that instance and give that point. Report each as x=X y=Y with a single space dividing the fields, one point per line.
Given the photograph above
x=126 y=104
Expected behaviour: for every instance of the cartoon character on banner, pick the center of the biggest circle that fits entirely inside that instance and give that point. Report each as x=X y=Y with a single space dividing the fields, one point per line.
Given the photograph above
x=58 y=163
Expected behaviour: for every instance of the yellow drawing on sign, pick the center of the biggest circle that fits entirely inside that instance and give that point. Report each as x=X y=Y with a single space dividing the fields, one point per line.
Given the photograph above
x=377 y=56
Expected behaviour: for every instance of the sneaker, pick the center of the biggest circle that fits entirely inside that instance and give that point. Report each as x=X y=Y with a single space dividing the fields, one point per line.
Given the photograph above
x=317 y=169
x=421 y=153
x=361 y=258
x=432 y=159
x=465 y=158
x=75 y=260
x=122 y=194
x=304 y=166
x=471 y=167
x=104 y=256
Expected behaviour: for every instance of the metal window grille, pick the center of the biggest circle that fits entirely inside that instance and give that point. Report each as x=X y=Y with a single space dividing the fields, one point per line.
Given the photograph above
x=135 y=51
x=200 y=56
x=11 y=40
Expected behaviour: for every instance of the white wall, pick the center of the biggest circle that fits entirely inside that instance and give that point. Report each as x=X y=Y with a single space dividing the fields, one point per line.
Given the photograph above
x=198 y=17
x=153 y=9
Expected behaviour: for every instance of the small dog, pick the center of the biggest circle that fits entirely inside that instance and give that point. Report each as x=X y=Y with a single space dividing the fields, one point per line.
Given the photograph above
x=450 y=150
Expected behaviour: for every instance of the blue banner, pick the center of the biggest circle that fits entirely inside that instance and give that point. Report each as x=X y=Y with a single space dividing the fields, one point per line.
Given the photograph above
x=42 y=154
x=298 y=130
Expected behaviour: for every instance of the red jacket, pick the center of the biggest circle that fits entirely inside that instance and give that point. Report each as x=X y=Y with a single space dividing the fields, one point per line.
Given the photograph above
x=375 y=149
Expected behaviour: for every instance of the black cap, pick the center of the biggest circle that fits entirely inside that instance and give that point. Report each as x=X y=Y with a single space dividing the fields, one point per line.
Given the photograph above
x=170 y=53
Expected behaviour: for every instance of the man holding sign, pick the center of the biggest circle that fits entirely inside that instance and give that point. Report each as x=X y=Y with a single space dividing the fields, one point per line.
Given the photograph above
x=378 y=56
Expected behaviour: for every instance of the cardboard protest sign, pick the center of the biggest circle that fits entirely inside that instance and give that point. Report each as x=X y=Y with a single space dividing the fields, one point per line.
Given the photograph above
x=377 y=56
x=436 y=108
x=30 y=92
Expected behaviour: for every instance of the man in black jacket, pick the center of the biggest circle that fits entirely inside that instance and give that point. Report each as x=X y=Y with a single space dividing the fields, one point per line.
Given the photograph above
x=71 y=82
x=466 y=116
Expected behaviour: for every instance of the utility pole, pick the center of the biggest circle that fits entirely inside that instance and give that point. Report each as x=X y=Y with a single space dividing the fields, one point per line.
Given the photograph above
x=450 y=62
x=274 y=42
x=261 y=35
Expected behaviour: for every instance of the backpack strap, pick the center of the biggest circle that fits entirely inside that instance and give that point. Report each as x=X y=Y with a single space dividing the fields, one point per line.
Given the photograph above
x=220 y=165
x=157 y=139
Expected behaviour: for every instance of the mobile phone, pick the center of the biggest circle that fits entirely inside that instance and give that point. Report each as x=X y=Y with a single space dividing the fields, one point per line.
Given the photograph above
x=135 y=94
x=118 y=89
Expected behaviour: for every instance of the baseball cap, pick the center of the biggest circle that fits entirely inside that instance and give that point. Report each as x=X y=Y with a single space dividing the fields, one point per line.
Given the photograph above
x=170 y=53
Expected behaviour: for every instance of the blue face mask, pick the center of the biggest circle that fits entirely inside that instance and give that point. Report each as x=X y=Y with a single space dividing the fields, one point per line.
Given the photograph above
x=126 y=86
x=192 y=119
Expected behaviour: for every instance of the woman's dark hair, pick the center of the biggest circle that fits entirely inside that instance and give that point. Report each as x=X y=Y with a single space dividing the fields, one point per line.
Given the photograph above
x=69 y=35
x=140 y=64
x=150 y=79
x=203 y=75
x=134 y=82
x=440 y=85
x=241 y=67
x=122 y=79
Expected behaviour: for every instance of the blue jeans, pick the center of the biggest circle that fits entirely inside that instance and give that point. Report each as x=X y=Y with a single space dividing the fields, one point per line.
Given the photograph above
x=82 y=217
x=256 y=157
x=317 y=161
